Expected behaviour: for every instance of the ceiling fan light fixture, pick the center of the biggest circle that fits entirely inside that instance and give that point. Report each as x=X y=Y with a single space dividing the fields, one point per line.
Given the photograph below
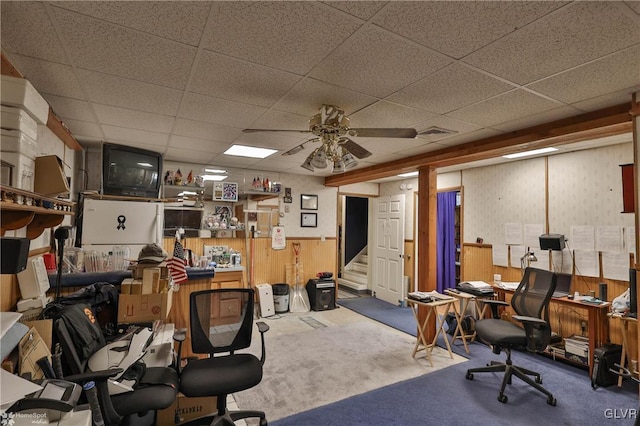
x=319 y=159
x=348 y=160
x=338 y=167
x=307 y=163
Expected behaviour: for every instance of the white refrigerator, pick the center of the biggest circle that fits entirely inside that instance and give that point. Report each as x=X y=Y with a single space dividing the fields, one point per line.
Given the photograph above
x=109 y=223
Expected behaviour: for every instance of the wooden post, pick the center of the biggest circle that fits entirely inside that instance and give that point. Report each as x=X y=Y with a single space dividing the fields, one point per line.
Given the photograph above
x=427 y=199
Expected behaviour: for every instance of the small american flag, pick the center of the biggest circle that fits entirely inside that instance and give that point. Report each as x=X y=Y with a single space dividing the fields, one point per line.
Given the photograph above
x=176 y=264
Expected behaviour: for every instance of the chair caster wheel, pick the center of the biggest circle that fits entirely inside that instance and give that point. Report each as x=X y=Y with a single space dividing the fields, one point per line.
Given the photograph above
x=503 y=398
x=552 y=401
x=539 y=380
x=263 y=422
x=469 y=376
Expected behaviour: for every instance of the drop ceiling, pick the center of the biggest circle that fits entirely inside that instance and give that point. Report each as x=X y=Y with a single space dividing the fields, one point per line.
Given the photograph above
x=184 y=78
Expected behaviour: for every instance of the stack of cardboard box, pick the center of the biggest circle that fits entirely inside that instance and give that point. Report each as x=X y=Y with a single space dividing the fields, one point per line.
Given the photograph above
x=147 y=296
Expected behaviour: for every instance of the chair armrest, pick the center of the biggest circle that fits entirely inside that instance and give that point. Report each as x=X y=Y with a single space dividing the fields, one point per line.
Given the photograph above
x=180 y=335
x=109 y=413
x=530 y=320
x=262 y=328
x=493 y=305
x=93 y=375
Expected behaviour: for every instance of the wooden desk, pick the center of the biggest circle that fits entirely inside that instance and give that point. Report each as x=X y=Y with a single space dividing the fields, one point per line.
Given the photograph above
x=598 y=323
x=421 y=340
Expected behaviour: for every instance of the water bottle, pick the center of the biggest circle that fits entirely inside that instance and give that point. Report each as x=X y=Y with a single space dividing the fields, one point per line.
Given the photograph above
x=92 y=396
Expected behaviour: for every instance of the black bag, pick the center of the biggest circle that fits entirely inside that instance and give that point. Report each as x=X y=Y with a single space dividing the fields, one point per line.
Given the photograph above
x=103 y=299
x=83 y=328
x=468 y=324
x=604 y=358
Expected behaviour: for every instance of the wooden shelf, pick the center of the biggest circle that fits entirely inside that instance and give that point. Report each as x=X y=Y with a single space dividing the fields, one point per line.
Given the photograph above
x=260 y=195
x=37 y=212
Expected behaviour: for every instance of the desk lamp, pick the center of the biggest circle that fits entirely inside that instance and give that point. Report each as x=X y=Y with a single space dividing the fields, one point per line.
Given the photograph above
x=525 y=261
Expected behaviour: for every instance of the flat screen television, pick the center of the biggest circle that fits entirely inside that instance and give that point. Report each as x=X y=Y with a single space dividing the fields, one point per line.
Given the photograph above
x=129 y=171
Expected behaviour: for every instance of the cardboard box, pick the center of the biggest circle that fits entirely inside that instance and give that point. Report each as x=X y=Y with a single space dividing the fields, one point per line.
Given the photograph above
x=138 y=270
x=49 y=176
x=18 y=92
x=30 y=349
x=187 y=409
x=125 y=286
x=150 y=280
x=144 y=308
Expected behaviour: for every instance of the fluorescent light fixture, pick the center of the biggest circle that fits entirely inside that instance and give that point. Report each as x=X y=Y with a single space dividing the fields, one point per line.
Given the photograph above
x=145 y=165
x=528 y=153
x=218 y=171
x=182 y=194
x=410 y=174
x=249 y=151
x=213 y=177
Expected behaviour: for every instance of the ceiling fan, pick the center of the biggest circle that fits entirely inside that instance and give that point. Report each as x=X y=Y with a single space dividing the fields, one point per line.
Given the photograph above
x=331 y=126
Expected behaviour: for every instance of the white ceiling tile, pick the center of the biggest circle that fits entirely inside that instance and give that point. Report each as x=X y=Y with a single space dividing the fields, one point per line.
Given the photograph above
x=447 y=123
x=310 y=94
x=186 y=143
x=539 y=118
x=219 y=111
x=236 y=80
x=49 y=77
x=27 y=30
x=378 y=63
x=134 y=135
x=181 y=21
x=387 y=114
x=70 y=108
x=573 y=35
x=122 y=92
x=202 y=130
x=611 y=74
x=388 y=145
x=233 y=161
x=459 y=28
x=421 y=149
x=450 y=88
x=506 y=107
x=361 y=9
x=607 y=100
x=291 y=36
x=133 y=119
x=83 y=129
x=183 y=155
x=109 y=48
x=634 y=5
x=281 y=120
x=469 y=137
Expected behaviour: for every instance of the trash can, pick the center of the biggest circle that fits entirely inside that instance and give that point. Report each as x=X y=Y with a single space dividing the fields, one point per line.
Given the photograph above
x=281 y=297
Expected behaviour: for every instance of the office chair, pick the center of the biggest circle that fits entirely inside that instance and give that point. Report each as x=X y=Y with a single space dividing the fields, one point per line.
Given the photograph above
x=221 y=323
x=531 y=305
x=156 y=387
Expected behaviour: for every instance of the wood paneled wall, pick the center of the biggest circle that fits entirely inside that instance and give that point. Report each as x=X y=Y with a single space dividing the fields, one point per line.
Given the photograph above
x=477 y=264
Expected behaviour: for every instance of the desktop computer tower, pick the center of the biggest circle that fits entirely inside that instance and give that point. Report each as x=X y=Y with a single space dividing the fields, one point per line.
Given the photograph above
x=322 y=294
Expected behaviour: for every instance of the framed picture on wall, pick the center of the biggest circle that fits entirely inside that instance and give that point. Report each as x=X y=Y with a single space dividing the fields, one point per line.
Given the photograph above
x=308 y=202
x=309 y=220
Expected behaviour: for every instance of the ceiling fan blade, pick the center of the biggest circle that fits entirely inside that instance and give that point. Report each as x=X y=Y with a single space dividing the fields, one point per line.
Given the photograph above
x=272 y=130
x=355 y=149
x=298 y=148
x=383 y=133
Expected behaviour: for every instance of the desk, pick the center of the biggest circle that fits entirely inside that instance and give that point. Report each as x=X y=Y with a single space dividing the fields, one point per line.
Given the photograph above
x=421 y=340
x=598 y=323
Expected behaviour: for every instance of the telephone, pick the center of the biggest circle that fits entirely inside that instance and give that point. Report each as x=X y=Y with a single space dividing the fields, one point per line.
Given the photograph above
x=55 y=397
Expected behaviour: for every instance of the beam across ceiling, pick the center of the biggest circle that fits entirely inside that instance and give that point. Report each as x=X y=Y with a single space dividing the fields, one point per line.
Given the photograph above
x=609 y=121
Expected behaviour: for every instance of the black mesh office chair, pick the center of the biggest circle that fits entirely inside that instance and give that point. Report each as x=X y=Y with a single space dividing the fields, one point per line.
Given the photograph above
x=156 y=387
x=531 y=305
x=221 y=324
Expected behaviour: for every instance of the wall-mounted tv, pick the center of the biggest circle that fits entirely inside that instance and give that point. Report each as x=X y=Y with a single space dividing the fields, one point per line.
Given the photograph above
x=132 y=172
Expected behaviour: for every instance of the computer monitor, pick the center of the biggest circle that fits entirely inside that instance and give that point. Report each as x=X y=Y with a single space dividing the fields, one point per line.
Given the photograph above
x=563 y=285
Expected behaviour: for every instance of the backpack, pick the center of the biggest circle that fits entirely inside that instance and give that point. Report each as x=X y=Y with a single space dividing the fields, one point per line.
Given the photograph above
x=468 y=324
x=83 y=329
x=604 y=359
x=103 y=300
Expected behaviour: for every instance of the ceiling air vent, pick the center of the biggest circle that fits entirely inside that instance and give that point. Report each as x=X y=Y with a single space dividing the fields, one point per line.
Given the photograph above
x=435 y=133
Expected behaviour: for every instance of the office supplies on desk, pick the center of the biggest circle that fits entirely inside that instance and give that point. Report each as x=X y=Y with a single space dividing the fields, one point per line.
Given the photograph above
x=479 y=288
x=427 y=296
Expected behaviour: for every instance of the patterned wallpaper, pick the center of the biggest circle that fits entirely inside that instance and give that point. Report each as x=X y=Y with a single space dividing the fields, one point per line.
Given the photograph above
x=504 y=193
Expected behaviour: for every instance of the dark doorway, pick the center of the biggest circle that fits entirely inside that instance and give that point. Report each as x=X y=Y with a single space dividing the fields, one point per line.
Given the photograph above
x=356 y=226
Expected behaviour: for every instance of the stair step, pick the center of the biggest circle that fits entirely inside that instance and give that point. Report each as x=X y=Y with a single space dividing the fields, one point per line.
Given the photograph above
x=360 y=267
x=363 y=258
x=352 y=285
x=355 y=276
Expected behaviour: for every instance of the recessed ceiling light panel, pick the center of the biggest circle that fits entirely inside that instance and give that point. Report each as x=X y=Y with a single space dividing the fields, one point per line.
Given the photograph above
x=249 y=151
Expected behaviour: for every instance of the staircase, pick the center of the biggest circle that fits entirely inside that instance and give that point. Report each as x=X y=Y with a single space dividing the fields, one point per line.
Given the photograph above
x=354 y=275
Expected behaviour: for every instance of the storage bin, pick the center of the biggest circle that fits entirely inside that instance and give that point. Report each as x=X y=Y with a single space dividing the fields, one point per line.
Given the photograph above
x=18 y=92
x=13 y=118
x=22 y=176
x=17 y=141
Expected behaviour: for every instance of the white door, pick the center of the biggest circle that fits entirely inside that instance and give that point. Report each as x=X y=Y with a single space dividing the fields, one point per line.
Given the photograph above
x=388 y=260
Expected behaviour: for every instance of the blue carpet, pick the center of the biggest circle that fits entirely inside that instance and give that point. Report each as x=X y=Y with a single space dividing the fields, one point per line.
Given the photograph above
x=400 y=318
x=447 y=397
